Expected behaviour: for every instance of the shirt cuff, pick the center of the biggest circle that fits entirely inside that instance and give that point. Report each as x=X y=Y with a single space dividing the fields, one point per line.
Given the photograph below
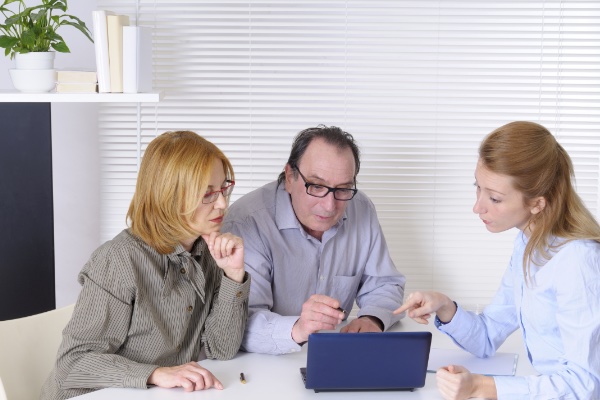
x=234 y=292
x=456 y=327
x=137 y=375
x=438 y=322
x=511 y=387
x=282 y=334
x=384 y=315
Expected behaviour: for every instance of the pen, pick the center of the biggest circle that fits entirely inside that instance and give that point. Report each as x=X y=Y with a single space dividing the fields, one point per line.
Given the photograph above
x=342 y=310
x=242 y=378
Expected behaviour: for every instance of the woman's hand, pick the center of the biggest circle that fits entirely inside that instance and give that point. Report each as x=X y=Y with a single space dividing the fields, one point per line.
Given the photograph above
x=228 y=251
x=190 y=377
x=456 y=383
x=421 y=305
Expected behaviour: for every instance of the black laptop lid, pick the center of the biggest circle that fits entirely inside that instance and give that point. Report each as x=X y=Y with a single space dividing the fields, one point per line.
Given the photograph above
x=367 y=361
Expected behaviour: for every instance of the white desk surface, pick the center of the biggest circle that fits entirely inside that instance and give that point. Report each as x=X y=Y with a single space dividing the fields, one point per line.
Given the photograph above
x=278 y=377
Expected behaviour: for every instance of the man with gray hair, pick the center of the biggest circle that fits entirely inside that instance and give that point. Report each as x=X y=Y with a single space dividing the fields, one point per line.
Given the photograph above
x=313 y=245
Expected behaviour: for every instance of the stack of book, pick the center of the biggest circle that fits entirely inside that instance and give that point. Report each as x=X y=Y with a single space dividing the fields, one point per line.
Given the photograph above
x=76 y=81
x=123 y=54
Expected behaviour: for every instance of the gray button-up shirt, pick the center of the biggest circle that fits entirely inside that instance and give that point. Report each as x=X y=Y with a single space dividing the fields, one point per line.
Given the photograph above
x=139 y=309
x=287 y=265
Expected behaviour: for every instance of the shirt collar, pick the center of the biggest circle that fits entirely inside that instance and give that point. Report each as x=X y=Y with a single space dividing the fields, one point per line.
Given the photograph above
x=192 y=263
x=197 y=248
x=285 y=218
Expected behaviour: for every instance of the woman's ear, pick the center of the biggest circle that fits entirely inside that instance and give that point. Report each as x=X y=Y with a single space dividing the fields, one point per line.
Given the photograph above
x=538 y=205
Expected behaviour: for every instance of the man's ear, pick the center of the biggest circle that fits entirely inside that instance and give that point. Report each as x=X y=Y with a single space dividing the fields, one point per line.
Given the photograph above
x=538 y=205
x=289 y=176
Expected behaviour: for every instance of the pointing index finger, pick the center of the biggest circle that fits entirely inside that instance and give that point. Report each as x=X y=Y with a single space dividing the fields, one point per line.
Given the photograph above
x=410 y=302
x=403 y=307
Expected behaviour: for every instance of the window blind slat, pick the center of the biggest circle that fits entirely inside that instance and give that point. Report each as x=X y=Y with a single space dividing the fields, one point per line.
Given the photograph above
x=418 y=83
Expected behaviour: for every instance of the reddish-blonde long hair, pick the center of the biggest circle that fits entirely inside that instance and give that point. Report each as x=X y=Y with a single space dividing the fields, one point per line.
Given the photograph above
x=173 y=177
x=540 y=167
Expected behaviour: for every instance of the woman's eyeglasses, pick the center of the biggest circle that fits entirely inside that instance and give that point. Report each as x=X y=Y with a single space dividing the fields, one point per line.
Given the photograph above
x=226 y=190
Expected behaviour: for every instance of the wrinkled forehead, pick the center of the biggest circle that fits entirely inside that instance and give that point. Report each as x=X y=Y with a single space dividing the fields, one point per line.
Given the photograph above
x=328 y=161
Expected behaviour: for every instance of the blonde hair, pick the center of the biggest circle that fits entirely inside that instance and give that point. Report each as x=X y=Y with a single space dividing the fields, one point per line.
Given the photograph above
x=540 y=167
x=172 y=180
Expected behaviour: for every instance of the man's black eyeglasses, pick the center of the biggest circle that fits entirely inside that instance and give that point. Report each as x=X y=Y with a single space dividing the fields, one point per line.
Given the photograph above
x=226 y=190
x=343 y=194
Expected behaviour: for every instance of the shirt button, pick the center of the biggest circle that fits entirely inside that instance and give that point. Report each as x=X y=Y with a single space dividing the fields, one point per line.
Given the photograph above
x=238 y=294
x=182 y=270
x=178 y=347
x=190 y=308
x=321 y=277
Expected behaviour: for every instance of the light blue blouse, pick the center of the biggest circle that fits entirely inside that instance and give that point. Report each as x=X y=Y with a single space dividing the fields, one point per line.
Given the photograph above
x=287 y=265
x=559 y=316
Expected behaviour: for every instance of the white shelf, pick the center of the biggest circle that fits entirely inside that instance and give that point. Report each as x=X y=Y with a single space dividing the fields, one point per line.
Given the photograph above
x=7 y=96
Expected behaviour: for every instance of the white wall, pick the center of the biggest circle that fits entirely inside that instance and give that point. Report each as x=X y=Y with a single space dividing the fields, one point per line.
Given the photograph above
x=75 y=163
x=76 y=181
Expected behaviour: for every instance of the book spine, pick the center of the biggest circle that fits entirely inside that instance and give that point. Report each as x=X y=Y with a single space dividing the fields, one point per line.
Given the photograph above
x=63 y=76
x=76 y=88
x=101 y=49
x=137 y=59
x=130 y=59
x=115 y=25
x=144 y=78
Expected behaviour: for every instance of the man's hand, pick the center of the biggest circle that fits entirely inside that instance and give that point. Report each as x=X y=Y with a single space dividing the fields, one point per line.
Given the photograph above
x=190 y=377
x=365 y=323
x=421 y=305
x=456 y=383
x=228 y=251
x=318 y=312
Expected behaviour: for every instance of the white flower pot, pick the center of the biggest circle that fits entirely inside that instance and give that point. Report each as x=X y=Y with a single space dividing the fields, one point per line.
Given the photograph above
x=34 y=73
x=41 y=60
x=33 y=80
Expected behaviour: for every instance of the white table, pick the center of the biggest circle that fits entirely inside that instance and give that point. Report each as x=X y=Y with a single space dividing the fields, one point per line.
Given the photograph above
x=278 y=377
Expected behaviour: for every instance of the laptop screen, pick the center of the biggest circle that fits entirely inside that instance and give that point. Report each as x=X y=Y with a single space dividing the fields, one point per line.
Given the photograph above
x=367 y=361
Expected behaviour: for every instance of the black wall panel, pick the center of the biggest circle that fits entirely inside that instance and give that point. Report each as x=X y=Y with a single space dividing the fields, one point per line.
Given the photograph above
x=26 y=210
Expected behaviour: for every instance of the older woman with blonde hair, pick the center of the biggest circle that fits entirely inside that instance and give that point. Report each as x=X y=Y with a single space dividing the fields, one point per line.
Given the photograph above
x=551 y=289
x=168 y=290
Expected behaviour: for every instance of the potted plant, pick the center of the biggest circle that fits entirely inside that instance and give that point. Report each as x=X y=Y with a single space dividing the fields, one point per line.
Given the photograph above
x=29 y=35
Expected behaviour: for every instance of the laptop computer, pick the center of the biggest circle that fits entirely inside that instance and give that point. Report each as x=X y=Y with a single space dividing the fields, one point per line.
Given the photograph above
x=366 y=361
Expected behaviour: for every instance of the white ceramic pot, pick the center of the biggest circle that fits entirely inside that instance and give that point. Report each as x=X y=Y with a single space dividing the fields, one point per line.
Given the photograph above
x=34 y=73
x=33 y=80
x=40 y=60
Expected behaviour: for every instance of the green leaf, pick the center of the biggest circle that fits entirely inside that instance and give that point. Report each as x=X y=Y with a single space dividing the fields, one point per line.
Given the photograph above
x=7 y=42
x=57 y=5
x=61 y=46
x=54 y=37
x=33 y=29
x=41 y=15
x=28 y=37
x=13 y=19
x=26 y=13
x=82 y=28
x=6 y=2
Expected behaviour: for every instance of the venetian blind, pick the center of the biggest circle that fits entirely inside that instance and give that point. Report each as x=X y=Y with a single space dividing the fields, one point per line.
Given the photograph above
x=418 y=83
